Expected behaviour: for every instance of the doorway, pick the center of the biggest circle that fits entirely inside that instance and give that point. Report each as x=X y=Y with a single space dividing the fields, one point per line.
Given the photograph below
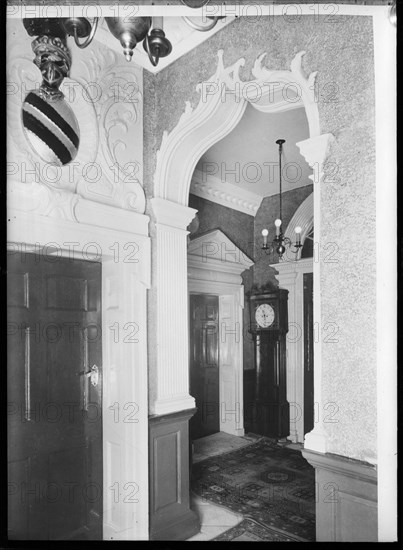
x=55 y=466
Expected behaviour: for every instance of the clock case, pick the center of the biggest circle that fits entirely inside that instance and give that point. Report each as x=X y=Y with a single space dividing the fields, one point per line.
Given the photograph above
x=266 y=385
x=278 y=301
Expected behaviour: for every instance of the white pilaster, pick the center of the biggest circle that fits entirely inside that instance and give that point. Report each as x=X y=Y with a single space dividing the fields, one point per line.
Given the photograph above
x=291 y=277
x=315 y=151
x=172 y=376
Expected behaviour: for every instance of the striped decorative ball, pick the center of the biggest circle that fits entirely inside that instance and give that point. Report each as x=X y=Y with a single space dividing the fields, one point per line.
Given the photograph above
x=51 y=128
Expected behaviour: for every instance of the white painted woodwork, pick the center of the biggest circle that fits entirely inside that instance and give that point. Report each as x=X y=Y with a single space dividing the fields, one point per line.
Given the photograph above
x=172 y=324
x=386 y=267
x=315 y=151
x=215 y=265
x=231 y=364
x=291 y=277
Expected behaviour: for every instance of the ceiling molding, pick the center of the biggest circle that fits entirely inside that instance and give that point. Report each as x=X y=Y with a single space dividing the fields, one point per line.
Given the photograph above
x=229 y=195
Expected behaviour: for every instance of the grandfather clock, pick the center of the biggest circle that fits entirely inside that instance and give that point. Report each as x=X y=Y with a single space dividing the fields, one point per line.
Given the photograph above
x=269 y=327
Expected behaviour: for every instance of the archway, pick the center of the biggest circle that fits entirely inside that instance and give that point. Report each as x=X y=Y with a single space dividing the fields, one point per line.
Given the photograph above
x=223 y=99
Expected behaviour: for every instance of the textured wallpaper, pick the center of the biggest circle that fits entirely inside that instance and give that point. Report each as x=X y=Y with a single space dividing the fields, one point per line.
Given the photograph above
x=341 y=50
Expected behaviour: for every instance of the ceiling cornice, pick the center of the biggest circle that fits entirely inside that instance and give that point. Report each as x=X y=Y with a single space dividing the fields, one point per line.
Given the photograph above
x=229 y=195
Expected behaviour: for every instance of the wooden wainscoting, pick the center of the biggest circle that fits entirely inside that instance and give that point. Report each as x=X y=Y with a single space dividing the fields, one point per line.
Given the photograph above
x=346 y=500
x=170 y=515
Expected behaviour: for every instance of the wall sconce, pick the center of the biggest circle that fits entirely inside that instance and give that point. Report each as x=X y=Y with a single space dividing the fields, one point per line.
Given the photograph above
x=128 y=30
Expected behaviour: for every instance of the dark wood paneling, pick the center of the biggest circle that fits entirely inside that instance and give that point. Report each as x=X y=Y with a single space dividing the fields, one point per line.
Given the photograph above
x=166 y=473
x=170 y=515
x=66 y=293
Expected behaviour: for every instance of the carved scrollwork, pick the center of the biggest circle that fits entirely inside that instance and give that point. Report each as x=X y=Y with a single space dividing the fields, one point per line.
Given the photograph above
x=107 y=102
x=114 y=91
x=42 y=199
x=24 y=166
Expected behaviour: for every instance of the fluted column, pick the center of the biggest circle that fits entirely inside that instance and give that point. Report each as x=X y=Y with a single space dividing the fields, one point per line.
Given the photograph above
x=172 y=369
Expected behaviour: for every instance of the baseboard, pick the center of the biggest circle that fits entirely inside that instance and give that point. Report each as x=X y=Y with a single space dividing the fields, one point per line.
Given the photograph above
x=185 y=527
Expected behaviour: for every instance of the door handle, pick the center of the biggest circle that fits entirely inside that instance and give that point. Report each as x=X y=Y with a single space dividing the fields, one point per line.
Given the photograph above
x=92 y=374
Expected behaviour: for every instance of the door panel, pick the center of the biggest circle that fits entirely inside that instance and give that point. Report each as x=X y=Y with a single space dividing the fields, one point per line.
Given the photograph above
x=54 y=411
x=204 y=369
x=308 y=353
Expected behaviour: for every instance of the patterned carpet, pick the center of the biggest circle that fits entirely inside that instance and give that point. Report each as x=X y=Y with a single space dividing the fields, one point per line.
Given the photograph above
x=268 y=483
x=252 y=531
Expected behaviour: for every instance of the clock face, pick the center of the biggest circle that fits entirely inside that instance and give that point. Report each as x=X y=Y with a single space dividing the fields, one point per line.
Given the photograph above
x=264 y=315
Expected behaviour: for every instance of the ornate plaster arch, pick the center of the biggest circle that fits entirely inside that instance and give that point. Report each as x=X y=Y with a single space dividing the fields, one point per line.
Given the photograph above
x=223 y=100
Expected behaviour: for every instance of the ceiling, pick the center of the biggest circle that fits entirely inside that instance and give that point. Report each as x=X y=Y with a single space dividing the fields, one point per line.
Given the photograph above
x=247 y=158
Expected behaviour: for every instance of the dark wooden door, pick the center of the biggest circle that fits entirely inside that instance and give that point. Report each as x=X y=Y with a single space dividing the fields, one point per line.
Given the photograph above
x=204 y=369
x=54 y=407
x=308 y=353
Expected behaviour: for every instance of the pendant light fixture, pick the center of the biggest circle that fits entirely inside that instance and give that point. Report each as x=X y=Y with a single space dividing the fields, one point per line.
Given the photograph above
x=280 y=243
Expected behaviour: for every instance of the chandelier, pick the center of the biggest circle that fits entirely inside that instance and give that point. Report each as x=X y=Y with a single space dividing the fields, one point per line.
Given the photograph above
x=281 y=243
